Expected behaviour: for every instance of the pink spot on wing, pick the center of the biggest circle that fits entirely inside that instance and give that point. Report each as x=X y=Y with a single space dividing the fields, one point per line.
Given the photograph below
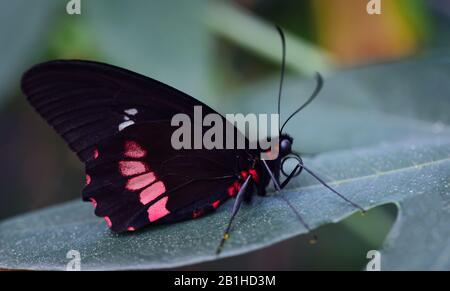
x=152 y=192
x=94 y=203
x=88 y=179
x=134 y=150
x=158 y=210
x=140 y=181
x=216 y=204
x=244 y=174
x=108 y=221
x=96 y=154
x=130 y=228
x=130 y=168
x=231 y=191
x=254 y=174
x=197 y=213
x=237 y=186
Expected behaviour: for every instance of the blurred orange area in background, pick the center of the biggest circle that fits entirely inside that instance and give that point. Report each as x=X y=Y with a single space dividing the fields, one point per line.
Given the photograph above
x=354 y=36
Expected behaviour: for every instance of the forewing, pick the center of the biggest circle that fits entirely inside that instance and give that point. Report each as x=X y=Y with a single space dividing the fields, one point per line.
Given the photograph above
x=86 y=102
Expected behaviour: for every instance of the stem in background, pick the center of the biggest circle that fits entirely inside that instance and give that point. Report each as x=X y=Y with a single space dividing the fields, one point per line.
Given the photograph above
x=249 y=31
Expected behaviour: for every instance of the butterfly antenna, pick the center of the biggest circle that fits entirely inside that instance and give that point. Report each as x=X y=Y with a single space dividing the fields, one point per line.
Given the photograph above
x=333 y=190
x=278 y=189
x=283 y=68
x=319 y=85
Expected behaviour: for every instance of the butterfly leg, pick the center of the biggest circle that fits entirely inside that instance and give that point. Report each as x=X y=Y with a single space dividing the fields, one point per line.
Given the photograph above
x=291 y=175
x=236 y=206
x=333 y=190
x=278 y=188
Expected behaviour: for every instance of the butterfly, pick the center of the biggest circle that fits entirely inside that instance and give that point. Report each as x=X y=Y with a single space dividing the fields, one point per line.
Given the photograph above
x=119 y=124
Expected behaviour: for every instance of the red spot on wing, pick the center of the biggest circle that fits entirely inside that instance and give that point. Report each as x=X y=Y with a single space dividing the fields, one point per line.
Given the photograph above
x=237 y=186
x=96 y=154
x=108 y=221
x=158 y=210
x=130 y=168
x=88 y=179
x=134 y=150
x=140 y=181
x=94 y=203
x=152 y=192
x=233 y=189
x=254 y=174
x=244 y=174
x=215 y=204
x=197 y=213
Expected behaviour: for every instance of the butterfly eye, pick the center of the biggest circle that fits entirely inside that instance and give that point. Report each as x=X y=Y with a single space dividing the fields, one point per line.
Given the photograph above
x=285 y=146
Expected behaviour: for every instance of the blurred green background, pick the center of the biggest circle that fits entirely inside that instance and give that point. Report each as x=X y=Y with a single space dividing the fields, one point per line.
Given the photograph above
x=212 y=50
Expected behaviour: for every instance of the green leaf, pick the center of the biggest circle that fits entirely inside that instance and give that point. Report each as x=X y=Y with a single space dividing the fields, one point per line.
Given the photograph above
x=414 y=175
x=376 y=153
x=239 y=26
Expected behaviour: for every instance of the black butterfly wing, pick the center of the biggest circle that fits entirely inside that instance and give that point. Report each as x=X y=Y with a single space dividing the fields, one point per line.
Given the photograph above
x=105 y=114
x=86 y=101
x=137 y=178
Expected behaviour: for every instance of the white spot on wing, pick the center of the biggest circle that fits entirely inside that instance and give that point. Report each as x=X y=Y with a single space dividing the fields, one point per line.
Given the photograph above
x=131 y=111
x=125 y=124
